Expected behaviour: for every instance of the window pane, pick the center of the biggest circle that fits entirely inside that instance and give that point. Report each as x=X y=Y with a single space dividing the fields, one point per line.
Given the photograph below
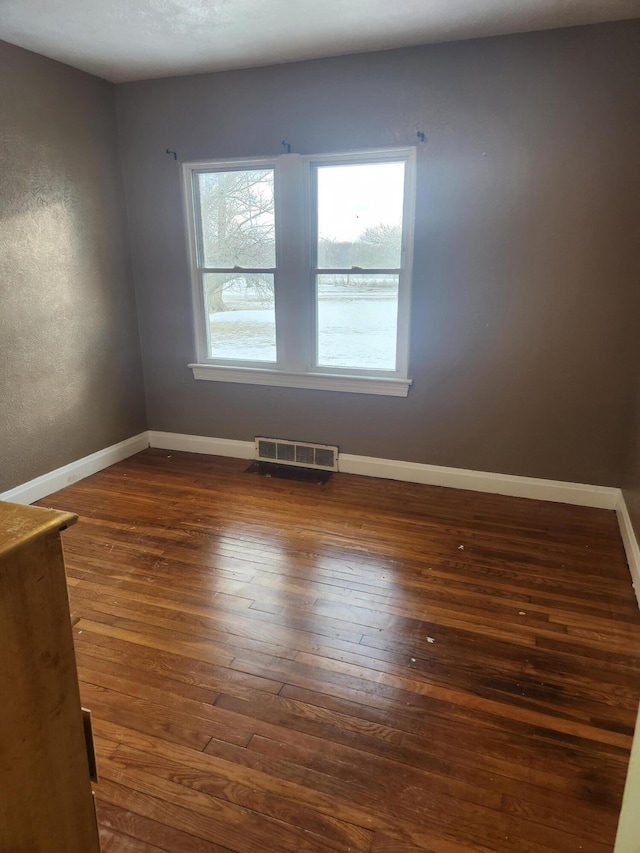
x=357 y=321
x=237 y=215
x=360 y=215
x=241 y=316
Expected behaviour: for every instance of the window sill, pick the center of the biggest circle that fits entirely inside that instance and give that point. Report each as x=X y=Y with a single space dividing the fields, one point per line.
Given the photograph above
x=318 y=381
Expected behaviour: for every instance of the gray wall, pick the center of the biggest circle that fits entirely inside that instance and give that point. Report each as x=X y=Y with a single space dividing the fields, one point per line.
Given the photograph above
x=526 y=256
x=70 y=372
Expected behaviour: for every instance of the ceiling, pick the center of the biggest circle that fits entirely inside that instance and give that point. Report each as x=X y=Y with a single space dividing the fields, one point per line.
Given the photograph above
x=123 y=40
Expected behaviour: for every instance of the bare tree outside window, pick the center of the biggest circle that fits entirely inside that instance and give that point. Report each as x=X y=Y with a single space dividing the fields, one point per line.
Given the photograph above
x=238 y=230
x=237 y=218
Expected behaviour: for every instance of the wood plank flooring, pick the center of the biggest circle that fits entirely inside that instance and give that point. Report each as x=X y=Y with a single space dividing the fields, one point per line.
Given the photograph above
x=362 y=665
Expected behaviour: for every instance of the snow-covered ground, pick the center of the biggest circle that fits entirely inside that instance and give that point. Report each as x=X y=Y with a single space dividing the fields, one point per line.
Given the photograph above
x=357 y=332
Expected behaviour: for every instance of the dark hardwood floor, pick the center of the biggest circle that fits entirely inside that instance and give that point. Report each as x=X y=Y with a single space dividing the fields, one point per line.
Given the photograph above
x=362 y=665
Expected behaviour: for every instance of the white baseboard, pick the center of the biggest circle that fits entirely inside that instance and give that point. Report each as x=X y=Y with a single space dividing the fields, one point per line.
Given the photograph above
x=45 y=485
x=202 y=444
x=580 y=494
x=630 y=542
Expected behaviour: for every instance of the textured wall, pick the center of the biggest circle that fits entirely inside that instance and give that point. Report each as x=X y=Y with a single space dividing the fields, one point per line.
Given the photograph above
x=526 y=257
x=70 y=374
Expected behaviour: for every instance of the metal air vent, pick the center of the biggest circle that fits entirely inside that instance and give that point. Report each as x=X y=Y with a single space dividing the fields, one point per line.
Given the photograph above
x=300 y=453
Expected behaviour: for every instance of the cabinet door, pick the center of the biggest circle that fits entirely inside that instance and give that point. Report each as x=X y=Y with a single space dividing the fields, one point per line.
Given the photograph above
x=46 y=804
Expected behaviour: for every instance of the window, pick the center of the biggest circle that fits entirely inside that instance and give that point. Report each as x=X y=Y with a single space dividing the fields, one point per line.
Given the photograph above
x=301 y=270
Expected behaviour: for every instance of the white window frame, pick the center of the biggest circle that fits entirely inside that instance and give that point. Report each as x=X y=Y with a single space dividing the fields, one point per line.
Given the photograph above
x=295 y=279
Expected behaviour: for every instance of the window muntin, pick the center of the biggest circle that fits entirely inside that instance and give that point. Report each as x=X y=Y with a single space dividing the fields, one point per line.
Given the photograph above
x=270 y=292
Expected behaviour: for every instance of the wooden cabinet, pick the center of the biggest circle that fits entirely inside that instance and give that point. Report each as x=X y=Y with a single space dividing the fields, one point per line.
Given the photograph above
x=46 y=801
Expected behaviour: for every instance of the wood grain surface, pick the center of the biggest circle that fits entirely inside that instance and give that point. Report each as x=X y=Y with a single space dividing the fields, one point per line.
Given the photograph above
x=46 y=805
x=362 y=665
